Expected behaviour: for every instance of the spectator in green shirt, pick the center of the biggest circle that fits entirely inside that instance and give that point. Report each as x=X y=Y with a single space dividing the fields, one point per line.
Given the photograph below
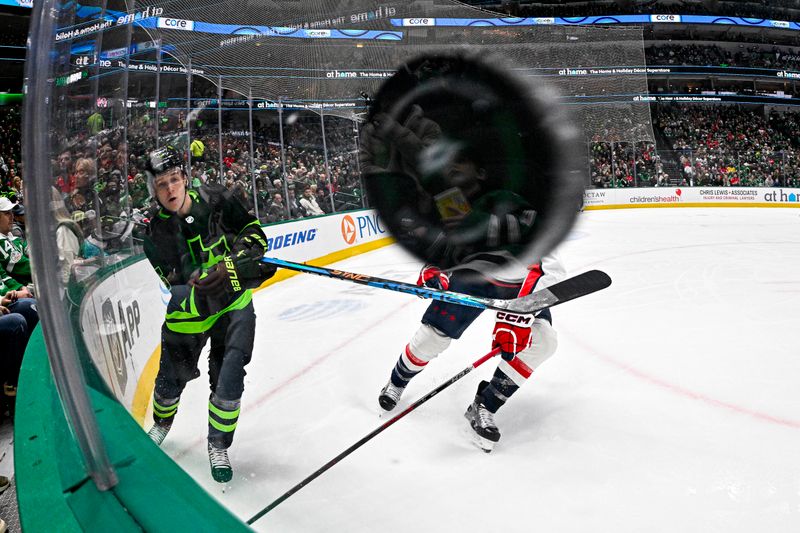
x=15 y=266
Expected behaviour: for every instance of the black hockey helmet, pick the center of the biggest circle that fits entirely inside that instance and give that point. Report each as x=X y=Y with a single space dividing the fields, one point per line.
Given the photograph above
x=159 y=161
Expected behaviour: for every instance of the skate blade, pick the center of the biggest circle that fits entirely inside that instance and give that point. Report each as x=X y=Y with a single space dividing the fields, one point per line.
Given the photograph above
x=482 y=443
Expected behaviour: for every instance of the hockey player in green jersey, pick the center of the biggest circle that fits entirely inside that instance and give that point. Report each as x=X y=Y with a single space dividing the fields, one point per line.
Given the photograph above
x=207 y=249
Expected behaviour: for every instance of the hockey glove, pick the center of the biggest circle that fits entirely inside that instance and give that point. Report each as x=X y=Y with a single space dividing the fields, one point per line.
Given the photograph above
x=432 y=277
x=221 y=279
x=512 y=334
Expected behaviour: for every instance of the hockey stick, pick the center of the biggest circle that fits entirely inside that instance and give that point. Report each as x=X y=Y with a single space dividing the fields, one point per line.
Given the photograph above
x=579 y=285
x=372 y=434
x=570 y=289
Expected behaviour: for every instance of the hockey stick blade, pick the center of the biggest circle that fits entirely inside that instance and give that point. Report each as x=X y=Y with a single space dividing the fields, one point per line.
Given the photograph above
x=569 y=289
x=564 y=291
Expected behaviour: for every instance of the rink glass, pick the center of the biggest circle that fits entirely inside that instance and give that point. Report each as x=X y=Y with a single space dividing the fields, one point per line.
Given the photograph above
x=109 y=81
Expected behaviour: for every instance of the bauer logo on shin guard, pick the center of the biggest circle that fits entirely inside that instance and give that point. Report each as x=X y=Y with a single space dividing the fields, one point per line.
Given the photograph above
x=232 y=274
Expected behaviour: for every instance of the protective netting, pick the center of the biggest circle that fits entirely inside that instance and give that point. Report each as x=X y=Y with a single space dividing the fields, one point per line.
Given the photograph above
x=334 y=53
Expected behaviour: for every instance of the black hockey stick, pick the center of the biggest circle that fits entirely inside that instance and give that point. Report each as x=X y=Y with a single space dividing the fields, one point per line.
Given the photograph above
x=570 y=289
x=372 y=434
x=579 y=285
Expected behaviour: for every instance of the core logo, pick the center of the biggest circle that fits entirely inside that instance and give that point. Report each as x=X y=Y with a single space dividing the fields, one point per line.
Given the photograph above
x=348 y=229
x=419 y=22
x=665 y=18
x=318 y=33
x=176 y=24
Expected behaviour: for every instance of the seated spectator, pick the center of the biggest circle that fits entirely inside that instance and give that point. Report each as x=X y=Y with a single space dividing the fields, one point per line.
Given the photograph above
x=69 y=237
x=18 y=318
x=18 y=230
x=296 y=210
x=309 y=203
x=15 y=265
x=276 y=211
x=83 y=194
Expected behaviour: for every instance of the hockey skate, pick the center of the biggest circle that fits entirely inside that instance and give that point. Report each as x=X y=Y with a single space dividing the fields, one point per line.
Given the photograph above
x=221 y=469
x=390 y=395
x=484 y=431
x=158 y=433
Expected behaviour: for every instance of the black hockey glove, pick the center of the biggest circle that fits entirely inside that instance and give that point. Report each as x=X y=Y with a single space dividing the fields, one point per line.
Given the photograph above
x=221 y=279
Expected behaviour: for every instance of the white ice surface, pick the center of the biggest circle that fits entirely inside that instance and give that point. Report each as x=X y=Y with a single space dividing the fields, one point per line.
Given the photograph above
x=672 y=403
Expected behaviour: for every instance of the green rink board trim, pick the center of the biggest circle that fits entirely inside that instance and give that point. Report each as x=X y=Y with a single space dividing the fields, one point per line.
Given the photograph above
x=55 y=494
x=53 y=490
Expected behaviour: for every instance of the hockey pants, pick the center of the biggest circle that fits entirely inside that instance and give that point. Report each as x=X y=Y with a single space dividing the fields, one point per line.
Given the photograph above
x=231 y=349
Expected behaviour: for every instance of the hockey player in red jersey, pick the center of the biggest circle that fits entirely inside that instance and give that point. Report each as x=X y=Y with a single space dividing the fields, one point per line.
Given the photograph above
x=525 y=341
x=472 y=206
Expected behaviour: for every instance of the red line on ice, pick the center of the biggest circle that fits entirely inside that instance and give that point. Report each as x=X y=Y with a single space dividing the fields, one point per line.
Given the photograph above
x=682 y=391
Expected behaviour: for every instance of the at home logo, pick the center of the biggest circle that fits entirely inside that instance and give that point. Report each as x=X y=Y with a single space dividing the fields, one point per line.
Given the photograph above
x=780 y=196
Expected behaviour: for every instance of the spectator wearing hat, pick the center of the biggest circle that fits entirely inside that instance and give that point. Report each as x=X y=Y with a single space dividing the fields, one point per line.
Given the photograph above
x=18 y=229
x=15 y=265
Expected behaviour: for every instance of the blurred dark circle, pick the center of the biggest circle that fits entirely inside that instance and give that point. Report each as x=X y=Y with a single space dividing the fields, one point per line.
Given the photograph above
x=456 y=133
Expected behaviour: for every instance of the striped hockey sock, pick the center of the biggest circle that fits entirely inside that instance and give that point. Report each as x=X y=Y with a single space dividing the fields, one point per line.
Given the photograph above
x=164 y=410
x=408 y=366
x=223 y=416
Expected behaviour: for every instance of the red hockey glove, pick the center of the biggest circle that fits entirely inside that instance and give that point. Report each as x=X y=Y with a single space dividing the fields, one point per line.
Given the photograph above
x=512 y=333
x=432 y=277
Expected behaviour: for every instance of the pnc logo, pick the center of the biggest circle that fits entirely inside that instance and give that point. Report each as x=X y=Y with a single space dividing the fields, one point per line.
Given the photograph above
x=348 y=229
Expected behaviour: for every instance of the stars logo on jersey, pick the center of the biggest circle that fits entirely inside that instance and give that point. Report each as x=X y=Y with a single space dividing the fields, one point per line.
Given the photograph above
x=189 y=219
